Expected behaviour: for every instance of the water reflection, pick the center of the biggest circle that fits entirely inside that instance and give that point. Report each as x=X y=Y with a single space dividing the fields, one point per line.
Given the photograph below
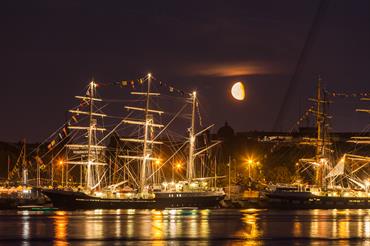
x=367 y=226
x=333 y=224
x=118 y=228
x=26 y=228
x=250 y=230
x=94 y=224
x=60 y=225
x=157 y=225
x=204 y=223
x=190 y=227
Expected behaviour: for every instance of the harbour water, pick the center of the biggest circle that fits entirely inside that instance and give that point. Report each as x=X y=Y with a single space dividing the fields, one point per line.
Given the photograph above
x=186 y=227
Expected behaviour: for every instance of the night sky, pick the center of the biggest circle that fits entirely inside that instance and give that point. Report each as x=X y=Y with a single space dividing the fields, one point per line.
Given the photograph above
x=50 y=50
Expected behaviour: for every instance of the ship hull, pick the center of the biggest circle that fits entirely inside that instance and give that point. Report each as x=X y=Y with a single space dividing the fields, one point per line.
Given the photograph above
x=70 y=200
x=7 y=203
x=310 y=201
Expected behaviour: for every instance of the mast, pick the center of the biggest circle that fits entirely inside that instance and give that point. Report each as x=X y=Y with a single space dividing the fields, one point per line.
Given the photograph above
x=38 y=175
x=145 y=158
x=190 y=166
x=321 y=140
x=8 y=167
x=322 y=134
x=52 y=169
x=24 y=164
x=88 y=153
x=89 y=181
x=319 y=143
x=190 y=169
x=145 y=143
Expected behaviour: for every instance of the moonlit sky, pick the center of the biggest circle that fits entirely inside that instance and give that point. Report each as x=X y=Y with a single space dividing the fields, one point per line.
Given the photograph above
x=50 y=50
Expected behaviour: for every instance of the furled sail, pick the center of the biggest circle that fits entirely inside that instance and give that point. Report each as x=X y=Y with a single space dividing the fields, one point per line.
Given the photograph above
x=337 y=170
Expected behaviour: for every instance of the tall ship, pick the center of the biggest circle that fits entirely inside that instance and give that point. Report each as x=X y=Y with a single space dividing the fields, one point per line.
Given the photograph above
x=342 y=186
x=130 y=177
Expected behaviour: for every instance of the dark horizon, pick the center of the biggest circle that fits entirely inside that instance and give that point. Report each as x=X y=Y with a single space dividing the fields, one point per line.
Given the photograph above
x=51 y=50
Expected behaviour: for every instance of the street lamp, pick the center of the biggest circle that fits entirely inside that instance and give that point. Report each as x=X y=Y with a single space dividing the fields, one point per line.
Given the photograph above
x=178 y=167
x=250 y=162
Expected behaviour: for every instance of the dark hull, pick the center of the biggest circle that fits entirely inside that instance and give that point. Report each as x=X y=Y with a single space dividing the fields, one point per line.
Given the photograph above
x=14 y=201
x=8 y=203
x=70 y=200
x=309 y=201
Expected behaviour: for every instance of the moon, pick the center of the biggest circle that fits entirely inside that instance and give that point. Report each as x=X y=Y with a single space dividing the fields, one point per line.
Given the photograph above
x=238 y=91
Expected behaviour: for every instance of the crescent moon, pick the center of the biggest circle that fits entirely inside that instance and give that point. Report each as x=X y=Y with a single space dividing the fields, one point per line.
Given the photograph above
x=238 y=91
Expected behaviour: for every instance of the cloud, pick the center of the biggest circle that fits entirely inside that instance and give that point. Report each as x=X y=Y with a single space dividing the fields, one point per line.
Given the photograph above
x=233 y=69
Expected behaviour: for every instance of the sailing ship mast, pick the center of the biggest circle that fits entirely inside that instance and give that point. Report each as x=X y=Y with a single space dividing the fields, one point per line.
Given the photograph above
x=320 y=138
x=190 y=170
x=190 y=164
x=148 y=125
x=24 y=164
x=321 y=141
x=145 y=143
x=90 y=153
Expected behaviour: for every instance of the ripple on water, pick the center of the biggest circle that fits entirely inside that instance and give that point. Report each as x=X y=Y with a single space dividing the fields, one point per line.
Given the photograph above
x=186 y=227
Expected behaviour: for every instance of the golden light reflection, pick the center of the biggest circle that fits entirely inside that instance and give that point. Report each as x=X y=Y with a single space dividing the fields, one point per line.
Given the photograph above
x=343 y=227
x=157 y=227
x=25 y=227
x=94 y=225
x=117 y=231
x=98 y=211
x=339 y=224
x=297 y=229
x=204 y=223
x=250 y=231
x=193 y=222
x=173 y=228
x=60 y=228
x=319 y=225
x=334 y=228
x=130 y=223
x=367 y=227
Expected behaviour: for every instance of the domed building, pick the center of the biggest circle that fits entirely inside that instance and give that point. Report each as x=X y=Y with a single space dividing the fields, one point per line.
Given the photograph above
x=225 y=132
